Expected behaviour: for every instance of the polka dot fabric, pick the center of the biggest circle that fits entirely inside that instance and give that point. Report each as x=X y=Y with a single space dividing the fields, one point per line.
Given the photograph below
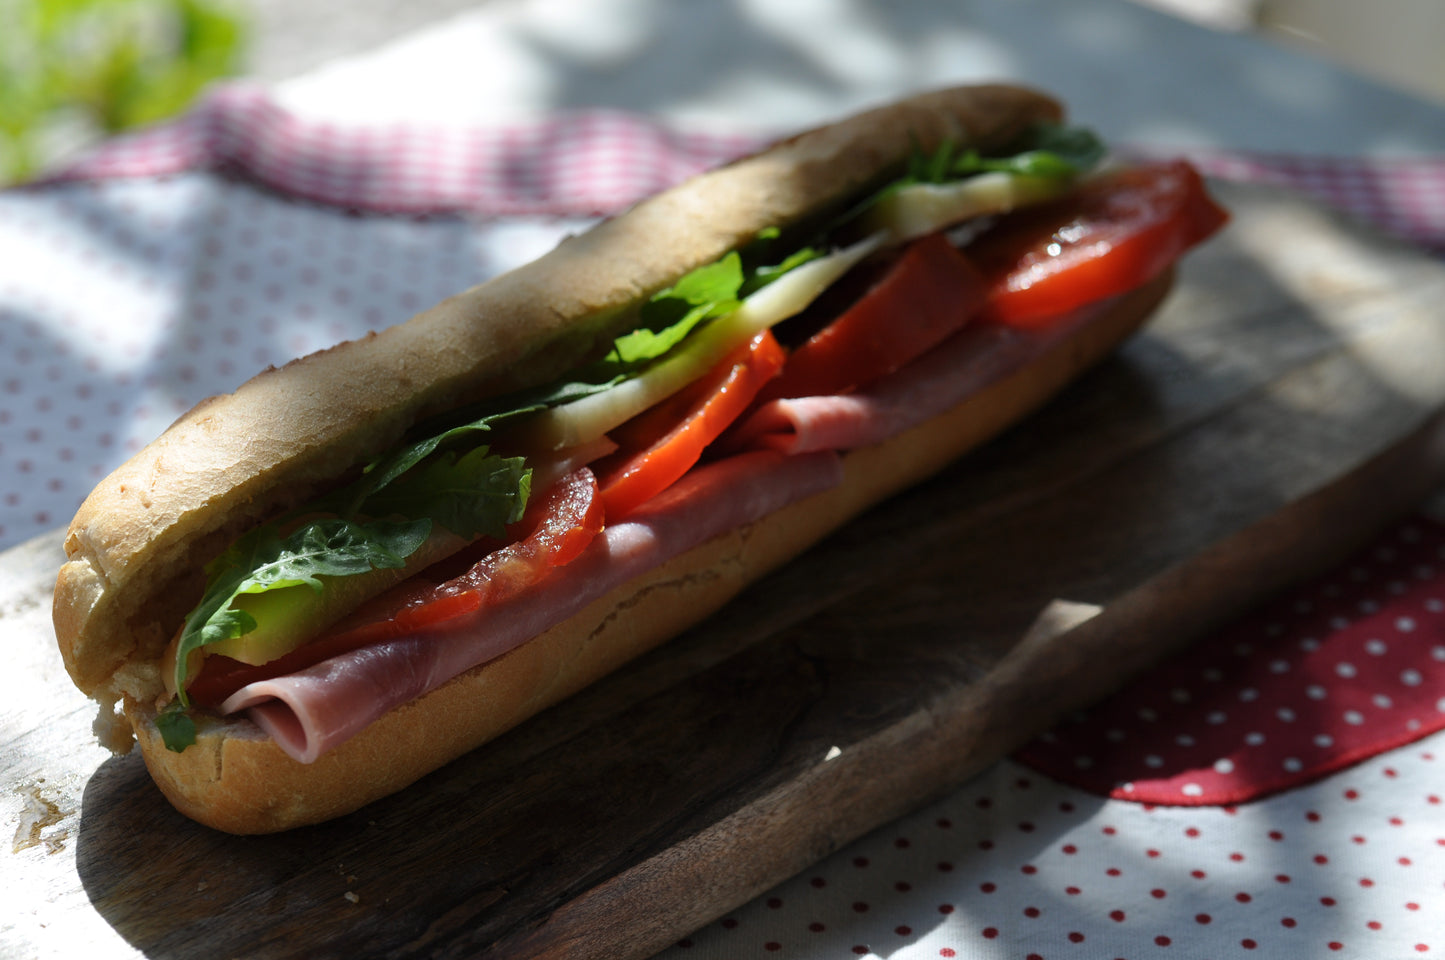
x=1330 y=673
x=1016 y=865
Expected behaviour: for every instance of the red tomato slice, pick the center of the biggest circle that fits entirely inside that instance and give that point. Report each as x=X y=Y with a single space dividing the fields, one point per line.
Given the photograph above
x=1114 y=233
x=927 y=294
x=562 y=522
x=657 y=447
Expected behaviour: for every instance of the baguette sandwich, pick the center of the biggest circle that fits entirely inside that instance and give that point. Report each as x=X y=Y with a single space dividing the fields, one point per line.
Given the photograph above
x=309 y=593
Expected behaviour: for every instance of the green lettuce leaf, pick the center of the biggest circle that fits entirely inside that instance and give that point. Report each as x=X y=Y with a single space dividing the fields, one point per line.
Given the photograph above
x=1049 y=150
x=263 y=560
x=470 y=494
x=332 y=548
x=1046 y=150
x=666 y=320
x=379 y=474
x=707 y=292
x=178 y=730
x=764 y=275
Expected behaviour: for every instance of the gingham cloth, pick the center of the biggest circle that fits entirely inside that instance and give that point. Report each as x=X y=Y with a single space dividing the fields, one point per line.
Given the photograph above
x=1401 y=196
x=572 y=164
x=598 y=162
x=153 y=272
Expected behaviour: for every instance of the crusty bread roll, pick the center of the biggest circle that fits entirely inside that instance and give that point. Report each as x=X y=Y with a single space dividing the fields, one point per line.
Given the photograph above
x=139 y=543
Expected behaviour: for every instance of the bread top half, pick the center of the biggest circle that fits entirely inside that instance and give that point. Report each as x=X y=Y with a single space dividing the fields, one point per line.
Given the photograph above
x=139 y=543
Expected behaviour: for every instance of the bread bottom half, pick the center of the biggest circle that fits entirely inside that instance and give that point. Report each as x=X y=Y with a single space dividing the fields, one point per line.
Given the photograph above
x=237 y=780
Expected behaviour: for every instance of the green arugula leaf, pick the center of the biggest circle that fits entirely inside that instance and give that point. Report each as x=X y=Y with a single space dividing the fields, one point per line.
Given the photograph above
x=349 y=501
x=335 y=548
x=707 y=292
x=712 y=283
x=939 y=167
x=765 y=275
x=228 y=623
x=263 y=560
x=710 y=291
x=1046 y=150
x=178 y=730
x=469 y=494
x=1078 y=146
x=665 y=321
x=594 y=379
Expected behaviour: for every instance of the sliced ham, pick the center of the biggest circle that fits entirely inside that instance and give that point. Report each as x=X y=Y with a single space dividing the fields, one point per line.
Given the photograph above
x=963 y=365
x=311 y=711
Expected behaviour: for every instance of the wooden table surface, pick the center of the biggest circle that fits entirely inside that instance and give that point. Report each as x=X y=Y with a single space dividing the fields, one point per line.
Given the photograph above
x=1284 y=404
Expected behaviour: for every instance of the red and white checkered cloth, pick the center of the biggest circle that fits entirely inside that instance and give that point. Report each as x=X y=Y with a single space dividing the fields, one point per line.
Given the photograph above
x=1402 y=196
x=598 y=162
x=568 y=164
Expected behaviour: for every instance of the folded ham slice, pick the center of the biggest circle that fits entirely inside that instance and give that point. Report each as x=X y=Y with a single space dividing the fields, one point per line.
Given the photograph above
x=961 y=366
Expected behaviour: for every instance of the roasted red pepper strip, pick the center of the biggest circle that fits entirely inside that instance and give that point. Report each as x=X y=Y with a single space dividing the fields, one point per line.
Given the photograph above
x=926 y=295
x=657 y=447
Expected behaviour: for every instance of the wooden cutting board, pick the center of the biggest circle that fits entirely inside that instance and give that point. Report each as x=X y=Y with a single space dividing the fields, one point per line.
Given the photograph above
x=1283 y=406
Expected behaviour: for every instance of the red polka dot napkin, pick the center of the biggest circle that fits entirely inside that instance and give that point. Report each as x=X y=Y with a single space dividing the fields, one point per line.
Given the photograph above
x=1018 y=866
x=1328 y=674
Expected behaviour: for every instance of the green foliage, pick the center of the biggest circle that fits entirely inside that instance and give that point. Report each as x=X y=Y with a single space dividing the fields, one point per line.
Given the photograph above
x=707 y=292
x=265 y=560
x=471 y=494
x=665 y=323
x=1045 y=150
x=468 y=493
x=178 y=730
x=110 y=64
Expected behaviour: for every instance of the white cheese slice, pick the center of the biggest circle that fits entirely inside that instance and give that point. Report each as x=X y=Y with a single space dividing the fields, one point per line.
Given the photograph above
x=925 y=208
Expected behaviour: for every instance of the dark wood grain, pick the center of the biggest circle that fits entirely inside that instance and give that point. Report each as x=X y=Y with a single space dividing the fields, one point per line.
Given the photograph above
x=1282 y=408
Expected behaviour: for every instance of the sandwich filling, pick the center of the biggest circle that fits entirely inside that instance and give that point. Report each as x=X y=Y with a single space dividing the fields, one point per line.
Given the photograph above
x=730 y=399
